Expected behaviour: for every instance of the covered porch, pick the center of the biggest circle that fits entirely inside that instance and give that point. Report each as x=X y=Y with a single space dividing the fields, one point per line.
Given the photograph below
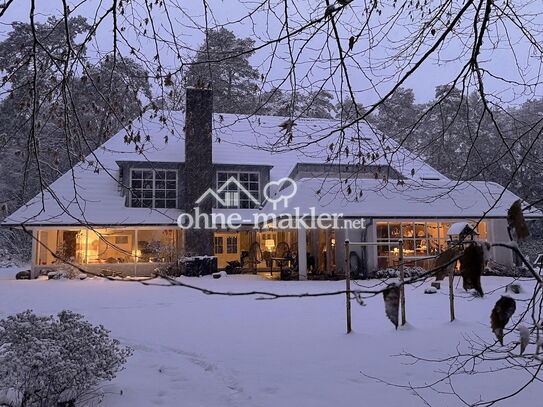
x=271 y=253
x=275 y=253
x=138 y=251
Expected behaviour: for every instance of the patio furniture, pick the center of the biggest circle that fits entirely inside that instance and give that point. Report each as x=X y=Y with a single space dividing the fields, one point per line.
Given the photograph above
x=255 y=256
x=311 y=263
x=282 y=258
x=233 y=267
x=267 y=257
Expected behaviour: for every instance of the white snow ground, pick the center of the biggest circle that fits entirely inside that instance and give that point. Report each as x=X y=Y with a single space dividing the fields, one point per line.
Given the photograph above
x=196 y=350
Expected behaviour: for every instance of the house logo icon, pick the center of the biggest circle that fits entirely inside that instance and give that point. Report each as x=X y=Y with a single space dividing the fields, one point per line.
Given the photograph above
x=278 y=197
x=228 y=194
x=230 y=198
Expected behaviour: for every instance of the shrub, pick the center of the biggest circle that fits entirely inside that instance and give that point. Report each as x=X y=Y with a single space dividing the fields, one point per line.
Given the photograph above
x=48 y=361
x=65 y=271
x=394 y=272
x=15 y=244
x=169 y=269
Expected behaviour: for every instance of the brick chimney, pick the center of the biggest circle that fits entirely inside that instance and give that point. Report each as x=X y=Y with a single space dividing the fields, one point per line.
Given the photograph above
x=199 y=170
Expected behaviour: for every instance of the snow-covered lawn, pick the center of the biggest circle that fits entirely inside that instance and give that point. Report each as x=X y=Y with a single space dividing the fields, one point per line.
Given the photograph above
x=198 y=350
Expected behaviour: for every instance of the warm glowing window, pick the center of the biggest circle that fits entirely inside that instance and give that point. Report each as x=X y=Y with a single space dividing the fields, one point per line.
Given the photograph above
x=156 y=246
x=107 y=246
x=232 y=244
x=111 y=246
x=153 y=188
x=64 y=244
x=218 y=245
x=421 y=239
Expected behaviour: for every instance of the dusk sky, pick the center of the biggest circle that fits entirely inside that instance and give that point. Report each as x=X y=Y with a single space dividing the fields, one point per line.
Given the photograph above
x=264 y=25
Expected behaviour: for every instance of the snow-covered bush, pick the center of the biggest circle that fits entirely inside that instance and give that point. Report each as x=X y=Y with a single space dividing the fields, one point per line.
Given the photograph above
x=46 y=361
x=496 y=269
x=493 y=269
x=169 y=269
x=8 y=259
x=158 y=249
x=66 y=271
x=394 y=272
x=15 y=247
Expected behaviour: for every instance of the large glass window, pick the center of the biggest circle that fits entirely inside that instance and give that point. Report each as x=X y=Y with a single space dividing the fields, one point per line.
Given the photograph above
x=156 y=246
x=218 y=245
x=64 y=244
x=107 y=246
x=231 y=244
x=233 y=195
x=421 y=239
x=153 y=188
x=111 y=246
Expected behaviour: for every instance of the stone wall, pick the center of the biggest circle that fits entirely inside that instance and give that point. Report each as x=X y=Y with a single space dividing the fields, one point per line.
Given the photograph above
x=199 y=171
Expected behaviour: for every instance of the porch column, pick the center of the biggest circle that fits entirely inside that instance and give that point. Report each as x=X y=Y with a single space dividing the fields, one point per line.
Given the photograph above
x=135 y=248
x=371 y=251
x=314 y=250
x=35 y=247
x=328 y=252
x=340 y=250
x=497 y=232
x=302 y=256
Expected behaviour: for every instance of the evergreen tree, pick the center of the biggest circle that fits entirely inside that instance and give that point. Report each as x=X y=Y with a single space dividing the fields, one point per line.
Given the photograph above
x=347 y=111
x=108 y=96
x=277 y=102
x=397 y=116
x=443 y=138
x=223 y=61
x=318 y=104
x=73 y=116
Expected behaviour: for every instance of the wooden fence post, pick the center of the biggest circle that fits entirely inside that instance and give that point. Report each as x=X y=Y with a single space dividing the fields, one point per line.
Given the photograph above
x=402 y=289
x=348 y=286
x=451 y=291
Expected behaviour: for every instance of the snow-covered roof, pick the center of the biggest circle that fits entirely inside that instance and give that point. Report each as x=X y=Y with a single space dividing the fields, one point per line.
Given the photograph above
x=433 y=199
x=254 y=140
x=459 y=227
x=91 y=194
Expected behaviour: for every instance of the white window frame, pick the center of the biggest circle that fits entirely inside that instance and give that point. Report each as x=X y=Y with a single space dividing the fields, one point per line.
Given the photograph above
x=154 y=198
x=230 y=245
x=442 y=236
x=217 y=239
x=238 y=173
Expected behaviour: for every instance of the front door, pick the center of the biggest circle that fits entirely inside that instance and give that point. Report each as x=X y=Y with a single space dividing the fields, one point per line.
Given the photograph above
x=226 y=248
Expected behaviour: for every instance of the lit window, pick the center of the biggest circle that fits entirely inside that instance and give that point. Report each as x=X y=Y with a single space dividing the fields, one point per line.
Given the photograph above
x=111 y=246
x=420 y=240
x=153 y=188
x=234 y=196
x=231 y=244
x=156 y=246
x=218 y=245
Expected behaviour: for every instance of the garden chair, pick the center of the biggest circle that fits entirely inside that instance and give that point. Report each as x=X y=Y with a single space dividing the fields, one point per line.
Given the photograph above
x=254 y=258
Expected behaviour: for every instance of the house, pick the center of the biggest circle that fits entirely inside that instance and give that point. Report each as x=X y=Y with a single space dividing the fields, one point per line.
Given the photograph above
x=120 y=209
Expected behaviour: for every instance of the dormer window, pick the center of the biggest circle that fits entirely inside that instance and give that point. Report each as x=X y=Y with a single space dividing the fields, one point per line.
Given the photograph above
x=153 y=188
x=238 y=189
